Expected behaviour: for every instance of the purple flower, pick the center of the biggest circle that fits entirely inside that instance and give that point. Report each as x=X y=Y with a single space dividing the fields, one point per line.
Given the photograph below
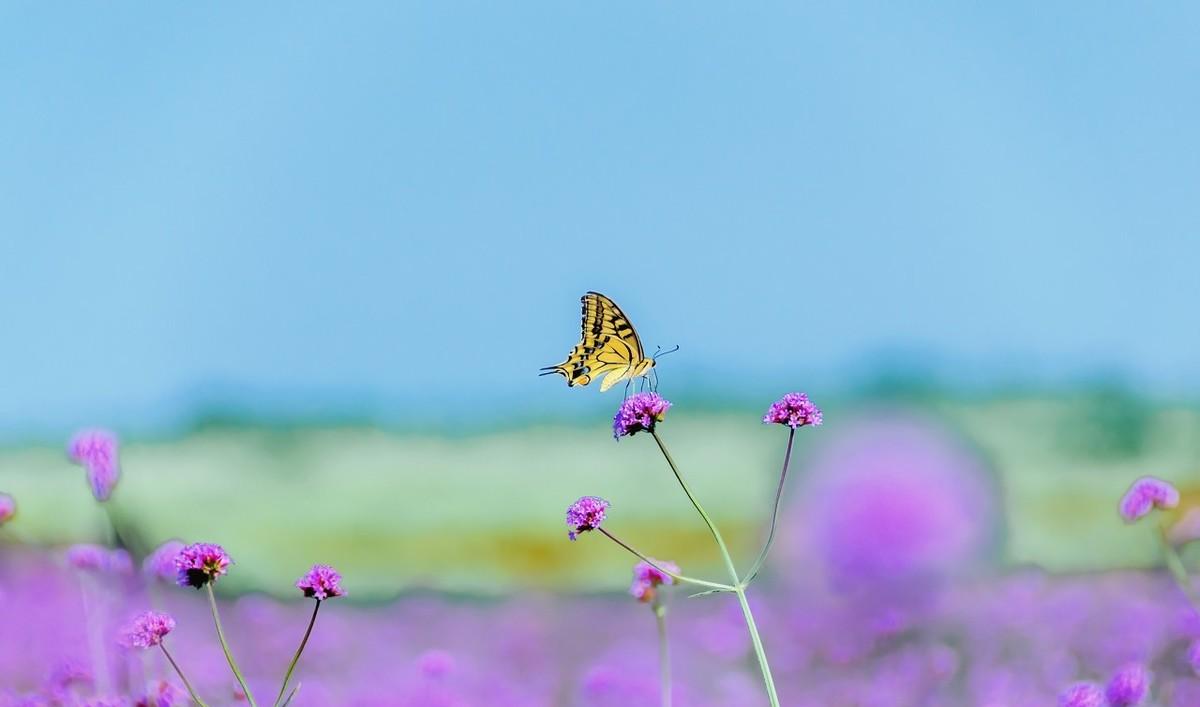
x=321 y=582
x=1146 y=494
x=8 y=508
x=586 y=514
x=119 y=562
x=435 y=663
x=88 y=557
x=96 y=450
x=160 y=564
x=794 y=410
x=1128 y=686
x=1081 y=694
x=638 y=413
x=200 y=563
x=647 y=578
x=147 y=630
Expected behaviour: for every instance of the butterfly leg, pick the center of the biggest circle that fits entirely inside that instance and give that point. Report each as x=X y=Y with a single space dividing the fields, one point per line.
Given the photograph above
x=627 y=384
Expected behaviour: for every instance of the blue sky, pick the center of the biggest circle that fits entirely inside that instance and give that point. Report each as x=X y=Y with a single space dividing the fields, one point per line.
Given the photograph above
x=402 y=203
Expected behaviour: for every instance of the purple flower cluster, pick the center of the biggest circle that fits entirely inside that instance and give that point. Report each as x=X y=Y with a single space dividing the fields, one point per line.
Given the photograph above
x=639 y=412
x=647 y=578
x=1129 y=686
x=148 y=629
x=1146 y=494
x=96 y=451
x=586 y=514
x=794 y=410
x=200 y=563
x=320 y=583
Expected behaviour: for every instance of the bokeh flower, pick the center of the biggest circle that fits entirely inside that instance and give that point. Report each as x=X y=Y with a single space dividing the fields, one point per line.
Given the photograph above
x=97 y=451
x=647 y=578
x=89 y=557
x=794 y=410
x=1146 y=494
x=586 y=514
x=147 y=630
x=639 y=412
x=321 y=582
x=1081 y=694
x=1129 y=686
x=892 y=507
x=8 y=508
x=200 y=563
x=160 y=564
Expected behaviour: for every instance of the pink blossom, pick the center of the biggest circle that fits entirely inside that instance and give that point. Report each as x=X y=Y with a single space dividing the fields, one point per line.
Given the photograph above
x=97 y=451
x=321 y=582
x=586 y=514
x=794 y=410
x=1146 y=494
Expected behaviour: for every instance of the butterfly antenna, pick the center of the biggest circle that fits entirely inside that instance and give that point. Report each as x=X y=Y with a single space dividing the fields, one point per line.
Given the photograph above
x=660 y=353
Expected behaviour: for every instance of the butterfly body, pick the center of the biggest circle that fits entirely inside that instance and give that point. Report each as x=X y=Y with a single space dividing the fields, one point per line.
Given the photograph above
x=608 y=347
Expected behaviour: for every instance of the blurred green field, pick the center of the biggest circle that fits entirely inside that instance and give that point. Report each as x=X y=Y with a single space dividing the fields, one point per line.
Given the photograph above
x=481 y=513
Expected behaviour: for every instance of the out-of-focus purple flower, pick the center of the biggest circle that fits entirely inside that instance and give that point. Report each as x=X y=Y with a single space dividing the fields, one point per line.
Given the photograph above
x=96 y=450
x=88 y=557
x=119 y=562
x=647 y=579
x=160 y=564
x=200 y=563
x=1146 y=494
x=8 y=508
x=639 y=412
x=1081 y=694
x=321 y=582
x=586 y=514
x=147 y=630
x=794 y=410
x=1129 y=686
x=893 y=507
x=97 y=558
x=435 y=663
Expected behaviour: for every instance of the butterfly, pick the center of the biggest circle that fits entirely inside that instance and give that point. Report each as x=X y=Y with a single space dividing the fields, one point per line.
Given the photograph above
x=608 y=347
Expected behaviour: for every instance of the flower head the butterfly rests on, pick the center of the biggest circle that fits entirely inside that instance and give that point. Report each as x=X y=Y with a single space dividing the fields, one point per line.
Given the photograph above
x=639 y=412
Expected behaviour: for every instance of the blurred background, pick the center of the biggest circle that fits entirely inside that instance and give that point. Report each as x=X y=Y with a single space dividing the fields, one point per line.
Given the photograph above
x=306 y=262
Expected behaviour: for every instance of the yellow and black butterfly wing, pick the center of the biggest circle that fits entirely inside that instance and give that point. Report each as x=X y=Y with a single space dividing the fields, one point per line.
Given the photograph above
x=608 y=346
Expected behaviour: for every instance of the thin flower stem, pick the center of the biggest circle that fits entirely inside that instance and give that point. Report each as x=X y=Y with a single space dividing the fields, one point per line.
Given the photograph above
x=1178 y=570
x=96 y=652
x=179 y=672
x=738 y=587
x=762 y=556
x=296 y=658
x=655 y=565
x=664 y=653
x=212 y=602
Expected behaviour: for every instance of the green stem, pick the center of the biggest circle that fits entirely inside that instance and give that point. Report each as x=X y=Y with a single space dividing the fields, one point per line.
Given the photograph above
x=1178 y=570
x=212 y=601
x=655 y=565
x=296 y=658
x=738 y=586
x=762 y=556
x=664 y=653
x=179 y=672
